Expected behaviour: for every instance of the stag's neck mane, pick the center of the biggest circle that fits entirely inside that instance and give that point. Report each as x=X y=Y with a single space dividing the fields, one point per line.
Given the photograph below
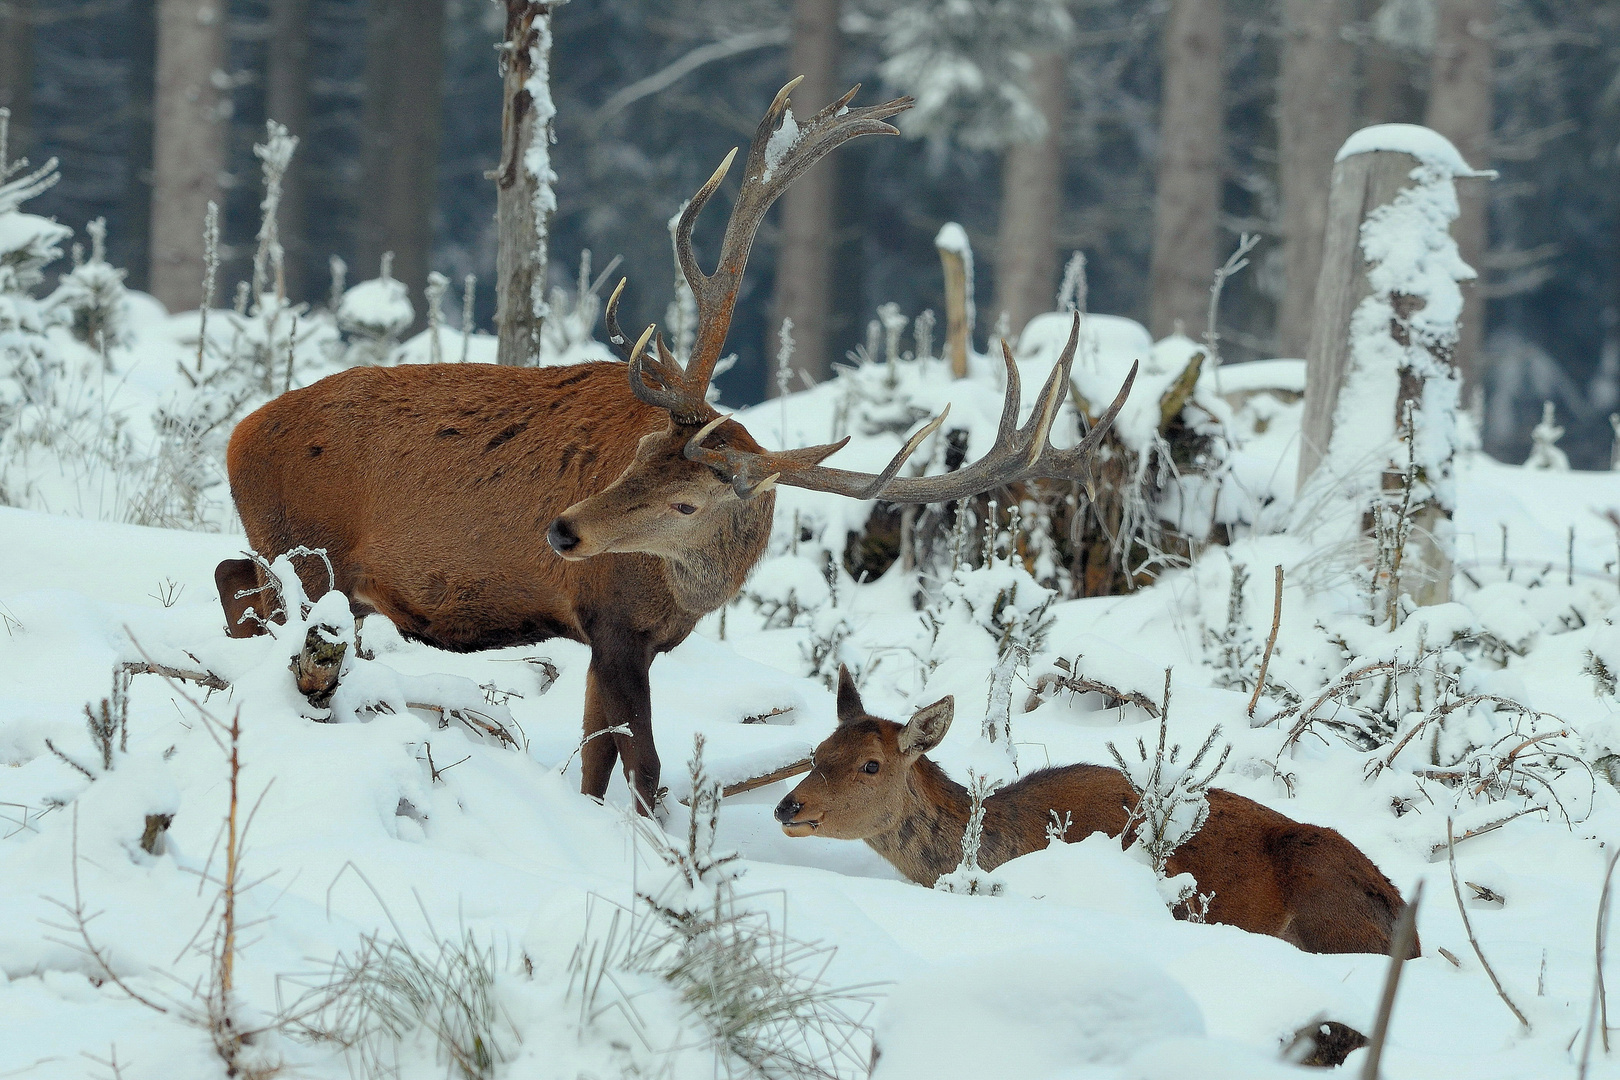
x=711 y=572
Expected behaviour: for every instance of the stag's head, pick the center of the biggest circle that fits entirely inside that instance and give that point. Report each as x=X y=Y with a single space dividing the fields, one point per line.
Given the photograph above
x=664 y=502
x=703 y=464
x=860 y=776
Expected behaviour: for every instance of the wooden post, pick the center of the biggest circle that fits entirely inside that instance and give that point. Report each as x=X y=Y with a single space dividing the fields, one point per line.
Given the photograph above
x=957 y=259
x=1361 y=184
x=1414 y=366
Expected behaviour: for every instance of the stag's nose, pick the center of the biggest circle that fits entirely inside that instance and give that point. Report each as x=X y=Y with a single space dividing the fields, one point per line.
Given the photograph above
x=562 y=537
x=787 y=808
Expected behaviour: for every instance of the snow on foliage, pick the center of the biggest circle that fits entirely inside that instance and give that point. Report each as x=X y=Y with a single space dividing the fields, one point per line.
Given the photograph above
x=966 y=62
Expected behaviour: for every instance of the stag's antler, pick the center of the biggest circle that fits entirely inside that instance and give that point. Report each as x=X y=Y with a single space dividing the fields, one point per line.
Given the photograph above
x=780 y=151
x=1020 y=453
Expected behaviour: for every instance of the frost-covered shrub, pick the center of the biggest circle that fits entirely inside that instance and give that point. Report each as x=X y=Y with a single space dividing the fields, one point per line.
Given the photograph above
x=969 y=877
x=1234 y=649
x=92 y=294
x=373 y=316
x=1001 y=600
x=1544 y=451
x=750 y=995
x=1172 y=804
x=30 y=364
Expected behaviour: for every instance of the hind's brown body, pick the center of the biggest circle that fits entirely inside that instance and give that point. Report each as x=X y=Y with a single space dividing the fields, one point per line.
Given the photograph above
x=1267 y=873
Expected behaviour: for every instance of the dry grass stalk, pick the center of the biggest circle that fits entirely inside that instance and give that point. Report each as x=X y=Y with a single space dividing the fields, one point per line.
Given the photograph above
x=1400 y=948
x=1271 y=643
x=1597 y=1017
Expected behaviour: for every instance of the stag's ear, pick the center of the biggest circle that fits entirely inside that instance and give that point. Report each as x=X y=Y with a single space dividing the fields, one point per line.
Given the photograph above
x=928 y=727
x=850 y=708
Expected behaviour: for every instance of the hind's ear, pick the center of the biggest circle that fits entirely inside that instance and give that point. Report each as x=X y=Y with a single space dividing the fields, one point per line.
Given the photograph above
x=928 y=727
x=850 y=708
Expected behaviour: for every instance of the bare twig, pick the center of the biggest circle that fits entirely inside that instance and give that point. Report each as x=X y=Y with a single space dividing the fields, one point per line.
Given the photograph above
x=762 y=780
x=52 y=748
x=1079 y=684
x=79 y=923
x=1456 y=890
x=1597 y=1017
x=1438 y=850
x=202 y=678
x=1271 y=643
x=1400 y=948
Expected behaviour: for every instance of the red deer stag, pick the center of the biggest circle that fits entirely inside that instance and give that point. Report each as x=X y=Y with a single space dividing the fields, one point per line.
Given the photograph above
x=1269 y=874
x=431 y=487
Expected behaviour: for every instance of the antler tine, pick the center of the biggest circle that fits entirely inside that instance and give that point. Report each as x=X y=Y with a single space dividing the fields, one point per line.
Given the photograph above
x=1039 y=426
x=610 y=320
x=1013 y=398
x=770 y=168
x=667 y=394
x=1020 y=453
x=1066 y=464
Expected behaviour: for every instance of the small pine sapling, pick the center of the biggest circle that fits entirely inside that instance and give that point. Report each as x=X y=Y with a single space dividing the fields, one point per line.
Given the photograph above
x=969 y=877
x=93 y=296
x=1234 y=646
x=1172 y=804
x=1544 y=451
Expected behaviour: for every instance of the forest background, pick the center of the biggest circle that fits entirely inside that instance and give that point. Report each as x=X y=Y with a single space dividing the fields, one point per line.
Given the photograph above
x=1147 y=135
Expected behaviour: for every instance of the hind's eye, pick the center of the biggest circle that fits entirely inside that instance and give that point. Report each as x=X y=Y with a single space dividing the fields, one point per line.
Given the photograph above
x=870 y=767
x=685 y=508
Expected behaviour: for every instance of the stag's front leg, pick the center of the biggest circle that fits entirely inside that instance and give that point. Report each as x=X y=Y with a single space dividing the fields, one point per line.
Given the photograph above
x=617 y=694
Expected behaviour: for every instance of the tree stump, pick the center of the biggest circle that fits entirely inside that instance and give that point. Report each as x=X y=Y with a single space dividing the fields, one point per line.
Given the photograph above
x=318 y=664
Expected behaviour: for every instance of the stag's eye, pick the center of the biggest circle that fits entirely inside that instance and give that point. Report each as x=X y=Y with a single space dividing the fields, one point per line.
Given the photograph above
x=685 y=508
x=870 y=767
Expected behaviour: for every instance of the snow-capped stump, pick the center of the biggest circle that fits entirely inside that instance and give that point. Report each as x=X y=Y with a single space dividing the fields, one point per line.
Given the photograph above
x=373 y=314
x=1149 y=486
x=318 y=665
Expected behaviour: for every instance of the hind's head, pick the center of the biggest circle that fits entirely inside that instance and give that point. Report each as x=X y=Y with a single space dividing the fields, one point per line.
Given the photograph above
x=859 y=776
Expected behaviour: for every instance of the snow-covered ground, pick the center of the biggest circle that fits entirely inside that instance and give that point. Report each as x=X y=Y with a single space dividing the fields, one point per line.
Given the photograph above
x=401 y=825
x=1078 y=970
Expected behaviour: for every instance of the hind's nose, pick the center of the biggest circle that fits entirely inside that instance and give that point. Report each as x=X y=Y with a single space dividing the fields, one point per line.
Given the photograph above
x=562 y=537
x=787 y=808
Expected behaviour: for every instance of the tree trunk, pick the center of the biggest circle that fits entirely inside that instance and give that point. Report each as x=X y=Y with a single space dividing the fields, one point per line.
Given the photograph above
x=17 y=72
x=287 y=101
x=400 y=154
x=188 y=144
x=525 y=199
x=1314 y=101
x=1188 y=199
x=804 y=260
x=1031 y=197
x=131 y=246
x=1460 y=84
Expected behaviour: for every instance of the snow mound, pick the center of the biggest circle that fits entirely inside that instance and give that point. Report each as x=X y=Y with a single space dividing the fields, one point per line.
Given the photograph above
x=381 y=306
x=975 y=1019
x=1094 y=873
x=1425 y=144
